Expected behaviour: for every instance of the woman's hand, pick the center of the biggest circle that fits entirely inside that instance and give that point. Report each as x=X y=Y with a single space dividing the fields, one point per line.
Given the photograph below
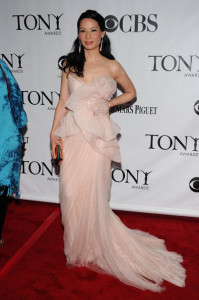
x=53 y=142
x=110 y=103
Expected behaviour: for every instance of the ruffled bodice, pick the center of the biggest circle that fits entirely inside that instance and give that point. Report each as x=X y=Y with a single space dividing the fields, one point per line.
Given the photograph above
x=88 y=113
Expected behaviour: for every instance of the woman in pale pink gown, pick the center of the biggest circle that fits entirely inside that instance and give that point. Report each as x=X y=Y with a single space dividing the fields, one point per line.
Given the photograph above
x=93 y=235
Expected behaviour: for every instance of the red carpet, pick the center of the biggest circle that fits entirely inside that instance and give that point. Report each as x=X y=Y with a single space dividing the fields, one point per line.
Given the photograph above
x=32 y=262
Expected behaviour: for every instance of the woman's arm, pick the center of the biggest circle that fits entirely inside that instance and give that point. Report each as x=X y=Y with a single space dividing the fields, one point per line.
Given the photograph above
x=59 y=112
x=122 y=79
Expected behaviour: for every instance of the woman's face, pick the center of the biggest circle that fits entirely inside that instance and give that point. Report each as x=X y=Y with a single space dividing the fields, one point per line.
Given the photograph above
x=90 y=33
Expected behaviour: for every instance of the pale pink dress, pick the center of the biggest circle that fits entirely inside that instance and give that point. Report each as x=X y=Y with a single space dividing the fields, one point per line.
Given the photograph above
x=93 y=235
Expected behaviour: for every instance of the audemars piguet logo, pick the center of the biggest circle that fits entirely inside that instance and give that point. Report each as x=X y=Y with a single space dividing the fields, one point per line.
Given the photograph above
x=49 y=23
x=134 y=109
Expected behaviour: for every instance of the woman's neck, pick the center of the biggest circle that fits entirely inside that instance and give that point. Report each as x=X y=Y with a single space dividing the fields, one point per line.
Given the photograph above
x=92 y=55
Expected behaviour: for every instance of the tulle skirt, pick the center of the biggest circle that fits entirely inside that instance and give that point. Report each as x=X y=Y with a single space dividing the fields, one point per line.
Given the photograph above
x=95 y=237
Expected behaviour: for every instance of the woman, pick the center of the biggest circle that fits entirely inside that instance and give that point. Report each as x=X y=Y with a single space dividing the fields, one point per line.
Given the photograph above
x=93 y=235
x=12 y=121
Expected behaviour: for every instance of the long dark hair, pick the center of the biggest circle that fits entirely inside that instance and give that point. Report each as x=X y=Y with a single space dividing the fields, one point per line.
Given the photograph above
x=74 y=60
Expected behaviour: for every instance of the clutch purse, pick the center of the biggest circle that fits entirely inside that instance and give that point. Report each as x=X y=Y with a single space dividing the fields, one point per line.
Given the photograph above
x=58 y=155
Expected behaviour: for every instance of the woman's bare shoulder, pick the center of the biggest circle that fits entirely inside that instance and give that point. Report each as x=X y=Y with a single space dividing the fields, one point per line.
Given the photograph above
x=65 y=71
x=115 y=67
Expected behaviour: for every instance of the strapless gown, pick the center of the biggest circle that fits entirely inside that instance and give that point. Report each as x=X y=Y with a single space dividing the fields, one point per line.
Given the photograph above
x=93 y=235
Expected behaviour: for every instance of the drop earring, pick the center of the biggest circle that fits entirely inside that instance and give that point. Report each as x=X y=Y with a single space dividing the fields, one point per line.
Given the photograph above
x=80 y=46
x=101 y=44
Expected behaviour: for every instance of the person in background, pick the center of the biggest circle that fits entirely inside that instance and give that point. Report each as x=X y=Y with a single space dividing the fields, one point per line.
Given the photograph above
x=12 y=121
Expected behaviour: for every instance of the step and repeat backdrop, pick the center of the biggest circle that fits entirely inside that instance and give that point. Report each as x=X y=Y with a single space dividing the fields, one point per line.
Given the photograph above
x=157 y=43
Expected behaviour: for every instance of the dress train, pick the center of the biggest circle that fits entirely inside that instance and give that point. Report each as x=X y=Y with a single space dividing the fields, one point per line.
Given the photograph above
x=93 y=235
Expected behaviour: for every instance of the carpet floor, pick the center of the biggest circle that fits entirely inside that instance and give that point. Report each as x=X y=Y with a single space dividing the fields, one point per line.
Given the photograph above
x=33 y=266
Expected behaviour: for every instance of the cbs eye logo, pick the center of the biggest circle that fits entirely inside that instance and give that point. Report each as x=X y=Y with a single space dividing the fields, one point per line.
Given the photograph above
x=196 y=107
x=132 y=23
x=194 y=184
x=111 y=23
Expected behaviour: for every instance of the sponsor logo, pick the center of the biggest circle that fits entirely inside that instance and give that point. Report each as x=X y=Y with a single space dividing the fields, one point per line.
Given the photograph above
x=14 y=62
x=187 y=145
x=48 y=23
x=36 y=168
x=24 y=144
x=136 y=109
x=137 y=179
x=194 y=184
x=26 y=139
x=48 y=100
x=178 y=63
x=132 y=23
x=196 y=107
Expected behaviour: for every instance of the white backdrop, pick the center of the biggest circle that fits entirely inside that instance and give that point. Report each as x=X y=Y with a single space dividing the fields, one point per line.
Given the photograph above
x=157 y=43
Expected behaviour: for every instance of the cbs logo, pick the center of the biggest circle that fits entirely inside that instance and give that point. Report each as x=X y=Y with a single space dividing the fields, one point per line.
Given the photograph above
x=196 y=107
x=132 y=23
x=194 y=184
